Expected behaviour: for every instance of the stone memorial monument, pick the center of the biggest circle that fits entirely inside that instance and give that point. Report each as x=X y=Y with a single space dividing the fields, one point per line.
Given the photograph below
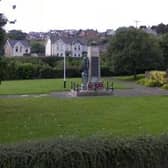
x=94 y=73
x=91 y=75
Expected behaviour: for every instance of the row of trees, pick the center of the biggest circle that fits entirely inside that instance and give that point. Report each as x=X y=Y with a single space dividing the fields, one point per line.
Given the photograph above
x=132 y=50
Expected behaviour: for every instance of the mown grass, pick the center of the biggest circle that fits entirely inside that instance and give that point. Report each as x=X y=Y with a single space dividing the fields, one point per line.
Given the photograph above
x=130 y=77
x=45 y=118
x=41 y=86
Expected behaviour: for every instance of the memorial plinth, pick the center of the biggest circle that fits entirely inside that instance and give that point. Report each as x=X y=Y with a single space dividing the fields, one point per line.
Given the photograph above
x=91 y=76
x=94 y=76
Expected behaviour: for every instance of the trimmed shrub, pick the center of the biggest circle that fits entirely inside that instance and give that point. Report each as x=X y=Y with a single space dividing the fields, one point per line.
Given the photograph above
x=26 y=71
x=149 y=82
x=154 y=79
x=165 y=86
x=147 y=152
x=159 y=76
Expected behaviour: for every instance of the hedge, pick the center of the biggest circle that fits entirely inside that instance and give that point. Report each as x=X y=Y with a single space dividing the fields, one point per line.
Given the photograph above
x=146 y=152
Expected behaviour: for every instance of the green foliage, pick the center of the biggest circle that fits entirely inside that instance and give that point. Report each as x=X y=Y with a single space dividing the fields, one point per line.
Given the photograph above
x=26 y=71
x=16 y=35
x=38 y=47
x=2 y=68
x=3 y=21
x=154 y=79
x=45 y=67
x=142 y=152
x=132 y=50
x=164 y=48
x=130 y=77
x=160 y=76
x=42 y=67
x=149 y=82
x=165 y=86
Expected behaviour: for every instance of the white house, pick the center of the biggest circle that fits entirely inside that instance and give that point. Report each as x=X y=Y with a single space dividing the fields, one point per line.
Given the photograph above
x=14 y=48
x=78 y=48
x=56 y=46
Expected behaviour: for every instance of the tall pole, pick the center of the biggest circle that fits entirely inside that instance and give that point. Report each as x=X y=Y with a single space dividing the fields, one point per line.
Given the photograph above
x=64 y=71
x=136 y=23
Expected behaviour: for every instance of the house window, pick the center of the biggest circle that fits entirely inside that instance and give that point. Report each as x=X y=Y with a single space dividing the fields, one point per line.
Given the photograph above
x=74 y=55
x=16 y=49
x=61 y=54
x=26 y=51
x=78 y=55
x=57 y=55
x=20 y=49
x=79 y=48
x=75 y=48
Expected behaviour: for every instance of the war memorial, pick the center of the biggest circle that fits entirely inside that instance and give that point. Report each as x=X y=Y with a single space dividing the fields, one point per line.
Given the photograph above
x=92 y=85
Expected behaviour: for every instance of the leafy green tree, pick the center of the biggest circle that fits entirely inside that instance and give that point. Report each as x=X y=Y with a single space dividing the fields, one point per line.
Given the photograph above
x=16 y=35
x=164 y=48
x=38 y=48
x=132 y=50
x=3 y=21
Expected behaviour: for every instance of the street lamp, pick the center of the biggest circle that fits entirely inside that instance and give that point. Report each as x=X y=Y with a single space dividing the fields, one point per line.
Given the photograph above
x=65 y=70
x=67 y=53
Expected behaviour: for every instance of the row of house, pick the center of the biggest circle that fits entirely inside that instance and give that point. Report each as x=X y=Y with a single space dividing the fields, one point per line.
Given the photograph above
x=55 y=46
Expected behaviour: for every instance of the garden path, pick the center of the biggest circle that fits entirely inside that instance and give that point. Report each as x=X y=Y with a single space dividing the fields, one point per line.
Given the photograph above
x=131 y=89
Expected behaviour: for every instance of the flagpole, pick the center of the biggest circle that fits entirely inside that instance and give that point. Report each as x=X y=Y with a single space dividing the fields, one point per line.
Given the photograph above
x=64 y=71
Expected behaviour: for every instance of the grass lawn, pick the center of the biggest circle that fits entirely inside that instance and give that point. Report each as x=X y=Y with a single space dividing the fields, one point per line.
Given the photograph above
x=40 y=86
x=38 y=118
x=130 y=77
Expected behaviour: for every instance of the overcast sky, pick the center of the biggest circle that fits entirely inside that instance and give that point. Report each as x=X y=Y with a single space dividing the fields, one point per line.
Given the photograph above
x=43 y=15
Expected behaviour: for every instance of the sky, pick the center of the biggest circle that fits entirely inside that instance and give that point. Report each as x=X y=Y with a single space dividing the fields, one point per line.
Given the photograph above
x=45 y=15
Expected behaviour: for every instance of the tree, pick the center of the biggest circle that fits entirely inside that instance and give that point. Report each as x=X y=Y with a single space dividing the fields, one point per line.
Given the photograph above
x=3 y=21
x=16 y=35
x=164 y=48
x=133 y=50
x=38 y=48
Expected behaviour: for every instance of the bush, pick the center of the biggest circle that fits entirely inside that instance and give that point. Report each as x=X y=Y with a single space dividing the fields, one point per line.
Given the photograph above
x=165 y=86
x=47 y=72
x=159 y=76
x=149 y=82
x=26 y=71
x=154 y=79
x=147 y=152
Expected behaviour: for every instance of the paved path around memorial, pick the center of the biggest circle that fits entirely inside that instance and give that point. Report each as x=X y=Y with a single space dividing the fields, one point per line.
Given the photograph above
x=134 y=90
x=139 y=90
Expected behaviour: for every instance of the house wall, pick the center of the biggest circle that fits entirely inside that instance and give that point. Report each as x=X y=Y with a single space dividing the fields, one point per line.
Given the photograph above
x=48 y=48
x=78 y=49
x=8 y=50
x=19 y=49
x=59 y=48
